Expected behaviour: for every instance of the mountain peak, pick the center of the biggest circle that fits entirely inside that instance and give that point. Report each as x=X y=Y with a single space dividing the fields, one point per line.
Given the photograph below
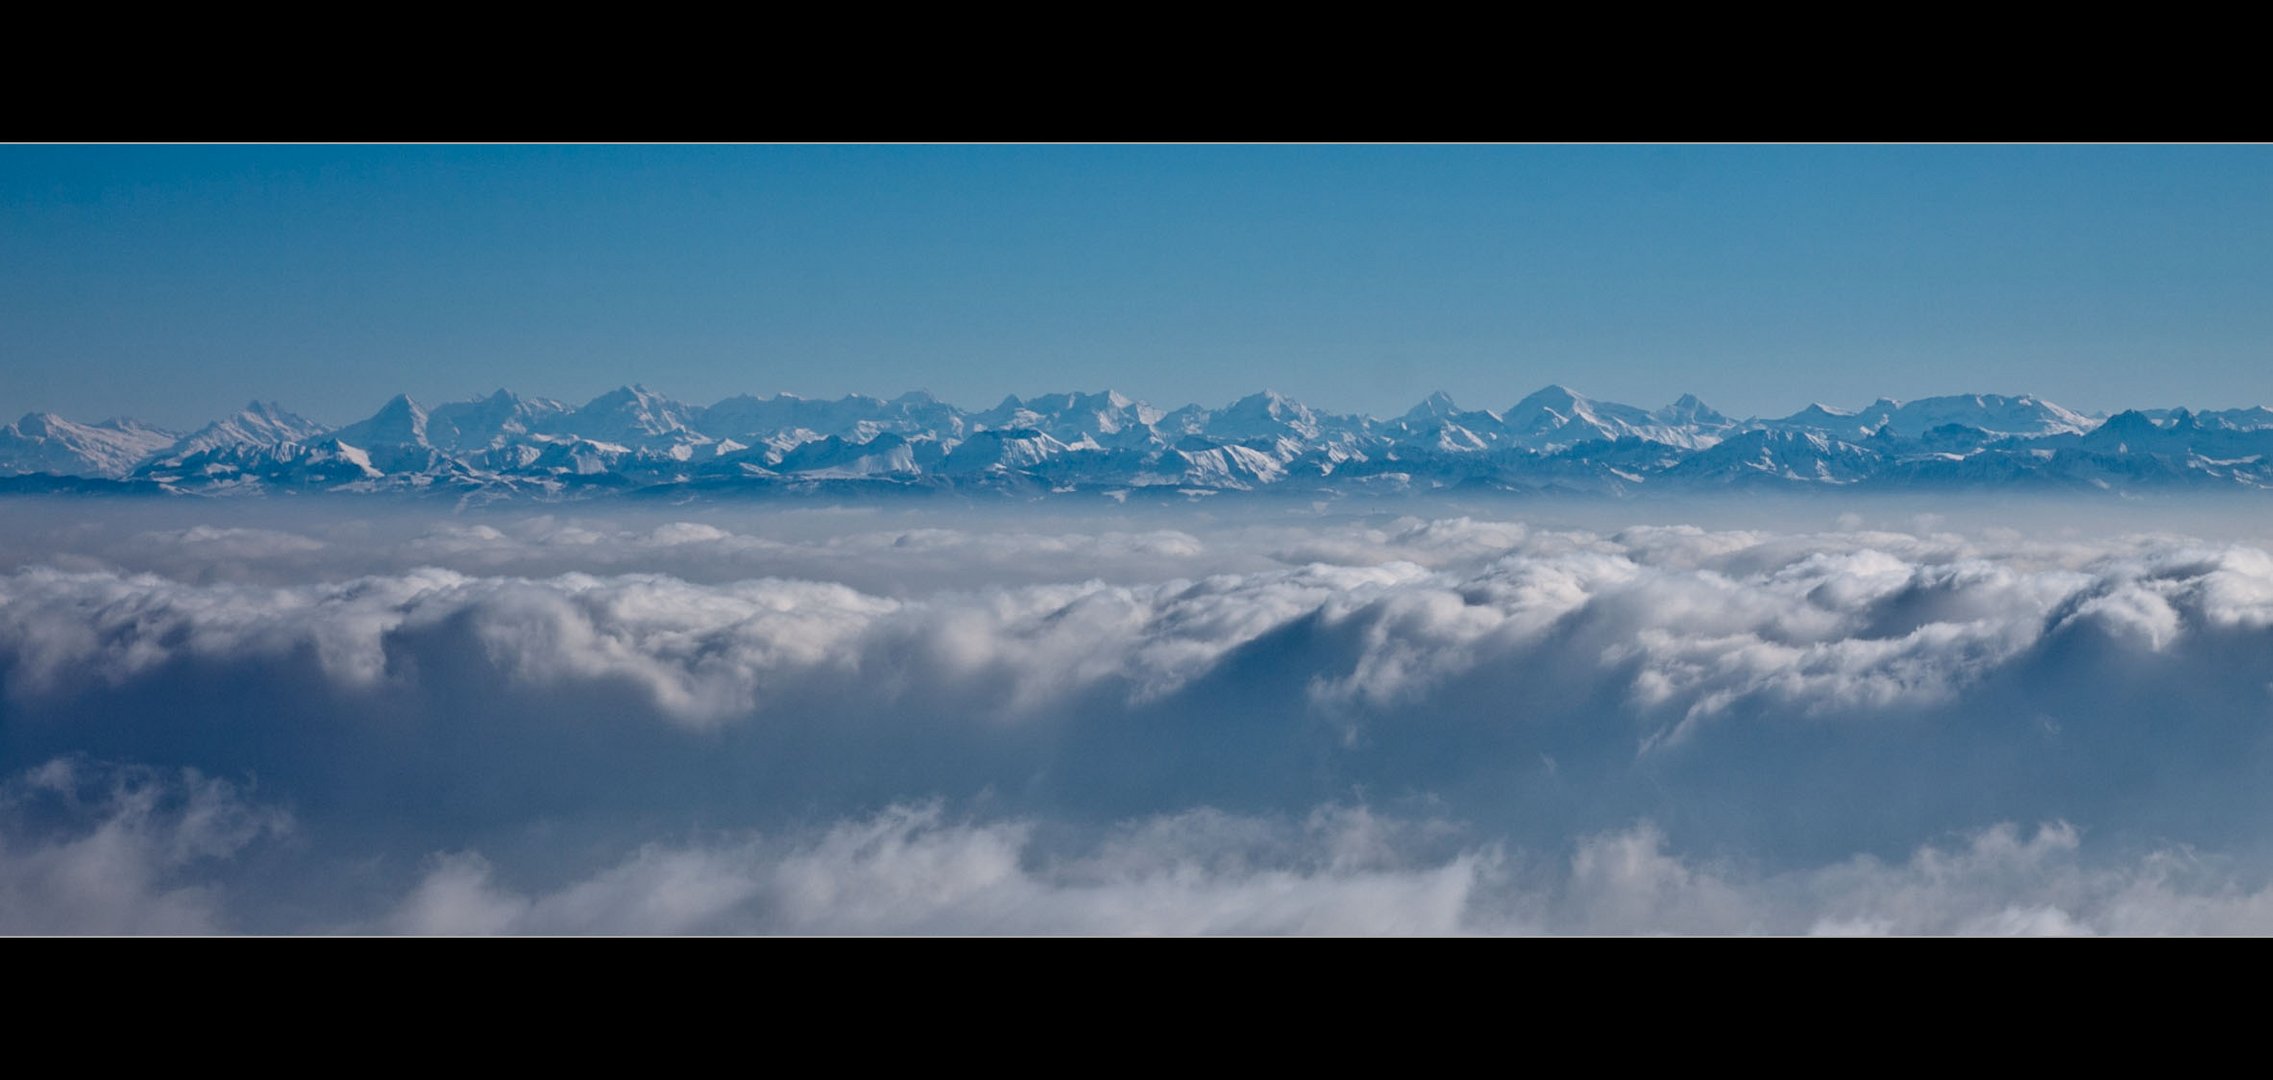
x=1081 y=439
x=1267 y=414
x=1264 y=401
x=271 y=412
x=629 y=416
x=1435 y=406
x=632 y=394
x=1690 y=409
x=399 y=422
x=1554 y=397
x=629 y=393
x=2129 y=420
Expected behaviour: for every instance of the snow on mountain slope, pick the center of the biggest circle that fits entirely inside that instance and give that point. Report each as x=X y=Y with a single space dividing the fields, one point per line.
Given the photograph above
x=856 y=417
x=1268 y=414
x=1440 y=424
x=1556 y=417
x=1837 y=423
x=630 y=416
x=1552 y=440
x=1688 y=411
x=575 y=455
x=834 y=458
x=320 y=463
x=1997 y=414
x=2182 y=435
x=2256 y=416
x=1201 y=462
x=47 y=443
x=400 y=422
x=495 y=420
x=1106 y=418
x=1000 y=451
x=1780 y=456
x=260 y=423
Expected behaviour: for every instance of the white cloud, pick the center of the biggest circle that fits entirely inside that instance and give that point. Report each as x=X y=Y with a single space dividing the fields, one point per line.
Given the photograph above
x=1774 y=698
x=97 y=849
x=909 y=869
x=93 y=850
x=1343 y=871
x=1688 y=626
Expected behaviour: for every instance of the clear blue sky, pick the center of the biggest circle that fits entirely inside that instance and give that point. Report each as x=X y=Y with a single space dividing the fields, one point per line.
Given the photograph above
x=175 y=282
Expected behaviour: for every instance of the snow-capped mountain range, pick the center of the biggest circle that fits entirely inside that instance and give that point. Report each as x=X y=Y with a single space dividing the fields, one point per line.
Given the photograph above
x=634 y=440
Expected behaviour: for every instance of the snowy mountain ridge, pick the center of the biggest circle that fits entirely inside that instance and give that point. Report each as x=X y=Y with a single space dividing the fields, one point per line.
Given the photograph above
x=634 y=439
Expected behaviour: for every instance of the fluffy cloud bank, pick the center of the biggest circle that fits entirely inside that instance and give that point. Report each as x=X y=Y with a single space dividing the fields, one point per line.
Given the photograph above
x=1684 y=626
x=120 y=850
x=95 y=849
x=767 y=729
x=909 y=869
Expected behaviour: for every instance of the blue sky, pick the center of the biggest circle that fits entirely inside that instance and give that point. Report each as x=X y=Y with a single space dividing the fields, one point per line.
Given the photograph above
x=175 y=282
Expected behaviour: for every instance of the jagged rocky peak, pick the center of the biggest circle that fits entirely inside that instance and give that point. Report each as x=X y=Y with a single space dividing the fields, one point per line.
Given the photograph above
x=489 y=422
x=628 y=414
x=506 y=402
x=268 y=415
x=1263 y=415
x=1557 y=415
x=1818 y=411
x=1073 y=415
x=400 y=422
x=1690 y=409
x=1268 y=404
x=1548 y=408
x=44 y=442
x=501 y=399
x=1554 y=396
x=55 y=424
x=627 y=396
x=1437 y=406
x=1555 y=438
x=1071 y=400
x=259 y=423
x=2130 y=420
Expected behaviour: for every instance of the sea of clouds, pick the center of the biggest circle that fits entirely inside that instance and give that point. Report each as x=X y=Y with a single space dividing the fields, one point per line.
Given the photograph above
x=1448 y=720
